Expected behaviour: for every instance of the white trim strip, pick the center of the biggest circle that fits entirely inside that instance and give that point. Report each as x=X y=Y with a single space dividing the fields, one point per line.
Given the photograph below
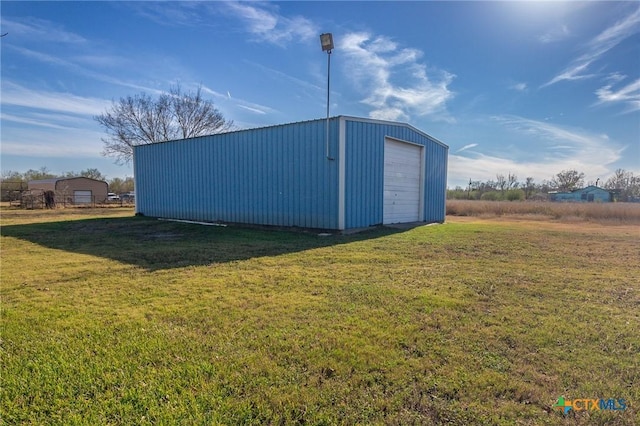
x=342 y=167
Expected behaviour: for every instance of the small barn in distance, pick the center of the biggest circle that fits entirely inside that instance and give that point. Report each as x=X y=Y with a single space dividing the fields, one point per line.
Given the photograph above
x=584 y=195
x=74 y=190
x=362 y=173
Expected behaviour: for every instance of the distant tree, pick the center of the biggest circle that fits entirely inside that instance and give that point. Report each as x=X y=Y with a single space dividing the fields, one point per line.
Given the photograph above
x=119 y=185
x=568 y=180
x=141 y=119
x=10 y=184
x=625 y=184
x=41 y=173
x=88 y=173
x=501 y=182
x=512 y=181
x=528 y=186
x=12 y=176
x=93 y=174
x=544 y=187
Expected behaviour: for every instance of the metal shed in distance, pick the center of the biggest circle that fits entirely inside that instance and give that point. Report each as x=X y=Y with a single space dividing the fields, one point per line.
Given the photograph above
x=74 y=190
x=367 y=172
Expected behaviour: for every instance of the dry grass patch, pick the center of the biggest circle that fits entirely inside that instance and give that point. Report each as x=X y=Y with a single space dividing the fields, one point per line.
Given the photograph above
x=607 y=213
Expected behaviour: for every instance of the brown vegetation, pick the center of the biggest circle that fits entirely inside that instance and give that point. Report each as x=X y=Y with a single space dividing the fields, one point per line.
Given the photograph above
x=610 y=213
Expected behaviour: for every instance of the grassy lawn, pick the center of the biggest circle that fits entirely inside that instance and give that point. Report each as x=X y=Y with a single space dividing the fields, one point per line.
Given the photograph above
x=109 y=318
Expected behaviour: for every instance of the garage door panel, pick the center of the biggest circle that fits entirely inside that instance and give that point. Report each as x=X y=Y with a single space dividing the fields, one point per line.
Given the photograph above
x=402 y=176
x=82 y=197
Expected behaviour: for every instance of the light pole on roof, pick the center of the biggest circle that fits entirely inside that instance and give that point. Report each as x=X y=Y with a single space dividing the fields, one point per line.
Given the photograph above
x=326 y=41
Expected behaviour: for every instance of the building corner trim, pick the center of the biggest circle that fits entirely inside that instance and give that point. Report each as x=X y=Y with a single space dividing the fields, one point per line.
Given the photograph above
x=342 y=133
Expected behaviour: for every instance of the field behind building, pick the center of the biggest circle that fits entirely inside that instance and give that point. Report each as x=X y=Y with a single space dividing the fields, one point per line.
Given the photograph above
x=109 y=318
x=603 y=213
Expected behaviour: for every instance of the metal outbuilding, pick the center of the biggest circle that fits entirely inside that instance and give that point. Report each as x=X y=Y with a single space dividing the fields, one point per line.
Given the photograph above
x=74 y=190
x=362 y=173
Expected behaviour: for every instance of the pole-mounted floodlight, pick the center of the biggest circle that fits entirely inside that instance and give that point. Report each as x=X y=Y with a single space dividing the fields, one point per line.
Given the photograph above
x=326 y=41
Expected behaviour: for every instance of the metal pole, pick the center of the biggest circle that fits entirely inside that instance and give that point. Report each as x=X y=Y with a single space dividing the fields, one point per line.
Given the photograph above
x=328 y=95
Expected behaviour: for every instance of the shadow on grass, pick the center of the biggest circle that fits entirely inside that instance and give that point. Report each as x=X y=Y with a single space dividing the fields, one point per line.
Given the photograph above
x=155 y=245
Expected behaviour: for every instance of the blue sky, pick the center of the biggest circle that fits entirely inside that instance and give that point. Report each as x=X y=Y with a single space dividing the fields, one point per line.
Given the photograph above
x=512 y=87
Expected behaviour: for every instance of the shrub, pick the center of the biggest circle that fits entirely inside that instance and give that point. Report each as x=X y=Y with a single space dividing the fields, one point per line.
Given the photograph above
x=515 y=195
x=490 y=196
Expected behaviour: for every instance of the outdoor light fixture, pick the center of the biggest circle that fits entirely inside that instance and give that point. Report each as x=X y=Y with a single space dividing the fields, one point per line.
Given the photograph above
x=326 y=41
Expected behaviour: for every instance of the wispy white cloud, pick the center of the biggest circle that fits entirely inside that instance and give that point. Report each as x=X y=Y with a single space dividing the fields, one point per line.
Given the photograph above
x=173 y=14
x=548 y=149
x=241 y=103
x=586 y=147
x=520 y=87
x=51 y=122
x=261 y=19
x=267 y=24
x=598 y=46
x=468 y=146
x=58 y=148
x=16 y=95
x=628 y=95
x=396 y=82
x=571 y=73
x=82 y=70
x=46 y=142
x=255 y=110
x=555 y=34
x=39 y=30
x=615 y=77
x=478 y=166
x=284 y=76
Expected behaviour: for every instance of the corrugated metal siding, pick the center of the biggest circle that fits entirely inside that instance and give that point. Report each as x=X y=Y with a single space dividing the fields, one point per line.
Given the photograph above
x=435 y=182
x=271 y=176
x=364 y=179
x=365 y=165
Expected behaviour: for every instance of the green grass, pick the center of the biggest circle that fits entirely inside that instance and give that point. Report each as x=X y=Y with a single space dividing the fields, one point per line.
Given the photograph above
x=114 y=319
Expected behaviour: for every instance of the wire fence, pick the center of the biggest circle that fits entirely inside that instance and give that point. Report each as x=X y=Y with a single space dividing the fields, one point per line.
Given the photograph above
x=51 y=200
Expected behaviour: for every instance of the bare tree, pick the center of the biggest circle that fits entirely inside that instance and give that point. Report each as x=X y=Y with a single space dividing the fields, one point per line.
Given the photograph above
x=528 y=187
x=141 y=119
x=501 y=182
x=568 y=180
x=624 y=184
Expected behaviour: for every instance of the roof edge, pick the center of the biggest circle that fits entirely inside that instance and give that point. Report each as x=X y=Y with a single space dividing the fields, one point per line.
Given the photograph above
x=336 y=117
x=394 y=123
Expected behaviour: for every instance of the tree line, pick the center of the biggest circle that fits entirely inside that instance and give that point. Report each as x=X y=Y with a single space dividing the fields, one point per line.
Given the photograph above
x=624 y=185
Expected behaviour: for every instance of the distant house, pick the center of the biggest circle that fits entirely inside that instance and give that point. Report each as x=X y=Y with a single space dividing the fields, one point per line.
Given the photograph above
x=75 y=190
x=584 y=195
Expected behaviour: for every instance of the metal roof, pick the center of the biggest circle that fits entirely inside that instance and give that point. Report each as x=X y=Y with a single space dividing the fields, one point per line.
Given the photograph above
x=56 y=180
x=337 y=117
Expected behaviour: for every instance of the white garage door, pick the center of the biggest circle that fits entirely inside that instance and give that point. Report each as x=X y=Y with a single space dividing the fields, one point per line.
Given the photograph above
x=402 y=172
x=81 y=197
